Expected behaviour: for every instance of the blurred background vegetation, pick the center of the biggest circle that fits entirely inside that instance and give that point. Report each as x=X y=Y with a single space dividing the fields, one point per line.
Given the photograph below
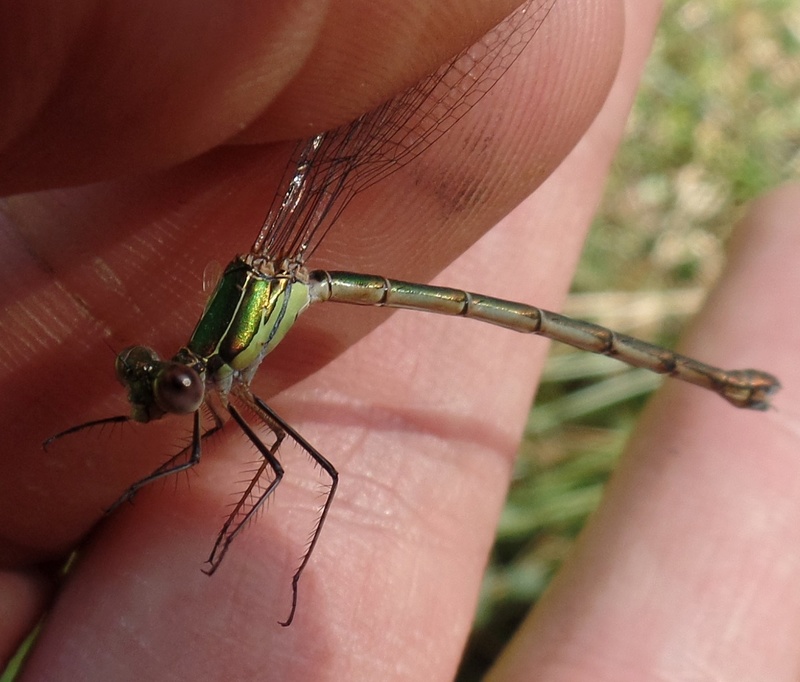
x=716 y=123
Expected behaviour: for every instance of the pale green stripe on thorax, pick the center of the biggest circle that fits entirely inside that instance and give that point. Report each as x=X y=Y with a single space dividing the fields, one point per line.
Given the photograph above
x=248 y=314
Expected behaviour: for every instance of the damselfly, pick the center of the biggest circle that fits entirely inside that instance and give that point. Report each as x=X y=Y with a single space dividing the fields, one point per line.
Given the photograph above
x=260 y=294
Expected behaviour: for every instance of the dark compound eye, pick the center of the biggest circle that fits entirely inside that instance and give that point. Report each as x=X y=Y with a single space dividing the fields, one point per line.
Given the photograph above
x=135 y=361
x=178 y=389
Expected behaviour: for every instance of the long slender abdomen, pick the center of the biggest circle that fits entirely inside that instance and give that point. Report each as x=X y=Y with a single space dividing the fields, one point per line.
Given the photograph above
x=742 y=388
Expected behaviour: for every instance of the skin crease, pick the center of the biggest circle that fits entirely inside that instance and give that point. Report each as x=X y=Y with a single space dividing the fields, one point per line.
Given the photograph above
x=688 y=569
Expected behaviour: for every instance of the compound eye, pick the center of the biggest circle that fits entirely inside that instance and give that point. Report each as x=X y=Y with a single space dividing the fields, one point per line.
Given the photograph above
x=135 y=361
x=178 y=389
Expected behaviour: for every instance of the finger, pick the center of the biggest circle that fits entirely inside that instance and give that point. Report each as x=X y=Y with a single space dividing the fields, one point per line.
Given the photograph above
x=693 y=551
x=123 y=89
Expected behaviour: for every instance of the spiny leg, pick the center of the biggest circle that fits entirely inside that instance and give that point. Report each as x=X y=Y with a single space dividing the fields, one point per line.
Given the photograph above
x=233 y=526
x=170 y=467
x=235 y=523
x=271 y=416
x=119 y=419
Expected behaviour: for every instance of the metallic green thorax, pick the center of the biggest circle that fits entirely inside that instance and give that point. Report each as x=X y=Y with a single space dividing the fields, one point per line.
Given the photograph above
x=248 y=314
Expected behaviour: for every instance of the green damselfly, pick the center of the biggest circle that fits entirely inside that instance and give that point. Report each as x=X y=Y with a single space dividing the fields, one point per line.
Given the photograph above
x=261 y=293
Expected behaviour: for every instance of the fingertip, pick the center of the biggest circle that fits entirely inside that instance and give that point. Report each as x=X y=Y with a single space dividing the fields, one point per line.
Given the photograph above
x=760 y=290
x=748 y=314
x=768 y=232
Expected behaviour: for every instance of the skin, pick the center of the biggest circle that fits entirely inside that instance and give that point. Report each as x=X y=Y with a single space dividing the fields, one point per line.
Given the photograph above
x=688 y=570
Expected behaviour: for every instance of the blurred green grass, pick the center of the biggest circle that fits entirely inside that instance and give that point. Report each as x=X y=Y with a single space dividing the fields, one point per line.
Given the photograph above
x=715 y=124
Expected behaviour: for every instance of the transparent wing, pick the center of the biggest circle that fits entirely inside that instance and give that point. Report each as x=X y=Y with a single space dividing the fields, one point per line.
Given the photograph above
x=328 y=170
